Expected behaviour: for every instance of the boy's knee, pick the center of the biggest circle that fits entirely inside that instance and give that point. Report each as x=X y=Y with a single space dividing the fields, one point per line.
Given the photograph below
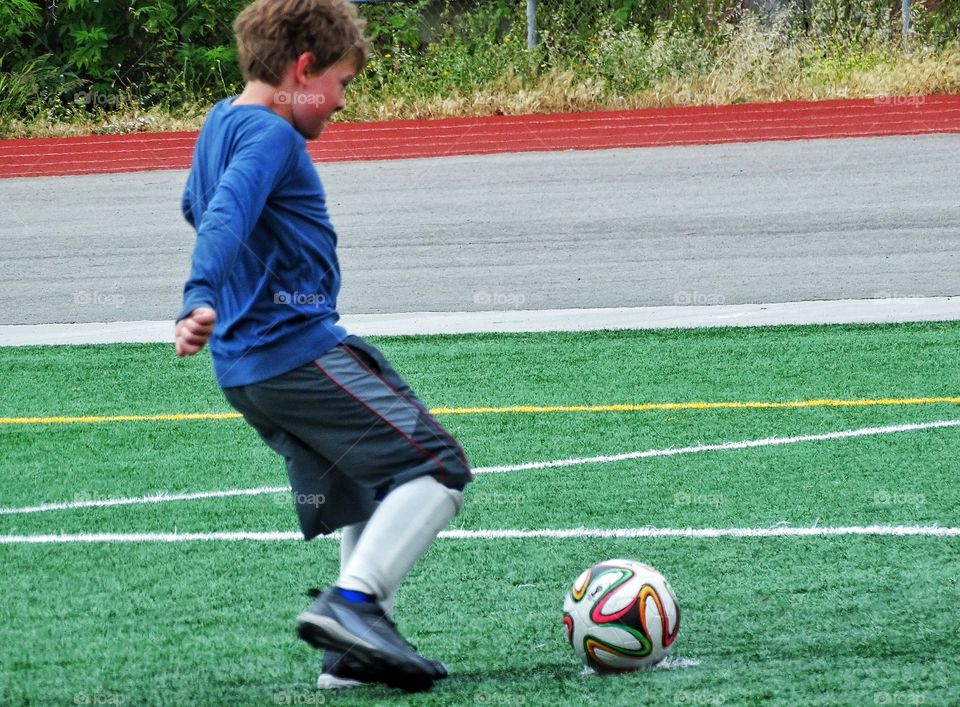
x=451 y=488
x=456 y=495
x=428 y=488
x=456 y=475
x=455 y=485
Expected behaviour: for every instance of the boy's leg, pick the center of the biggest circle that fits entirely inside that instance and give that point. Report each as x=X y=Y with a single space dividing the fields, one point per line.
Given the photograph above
x=399 y=532
x=430 y=471
x=349 y=537
x=408 y=521
x=414 y=511
x=351 y=407
x=338 y=673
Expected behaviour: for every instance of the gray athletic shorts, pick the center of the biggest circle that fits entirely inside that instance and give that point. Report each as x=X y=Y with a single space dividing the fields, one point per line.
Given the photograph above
x=350 y=429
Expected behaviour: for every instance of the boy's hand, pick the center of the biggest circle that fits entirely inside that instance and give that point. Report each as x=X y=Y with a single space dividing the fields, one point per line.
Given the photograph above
x=194 y=331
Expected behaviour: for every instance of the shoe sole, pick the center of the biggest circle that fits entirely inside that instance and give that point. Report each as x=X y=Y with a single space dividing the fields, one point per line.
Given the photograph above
x=327 y=633
x=326 y=681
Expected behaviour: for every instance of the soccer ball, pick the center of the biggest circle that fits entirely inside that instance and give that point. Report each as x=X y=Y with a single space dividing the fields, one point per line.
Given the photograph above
x=621 y=615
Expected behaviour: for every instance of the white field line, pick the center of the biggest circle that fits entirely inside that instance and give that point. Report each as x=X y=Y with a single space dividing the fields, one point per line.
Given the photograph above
x=672 y=663
x=563 y=534
x=669 y=452
x=668 y=663
x=726 y=446
x=142 y=500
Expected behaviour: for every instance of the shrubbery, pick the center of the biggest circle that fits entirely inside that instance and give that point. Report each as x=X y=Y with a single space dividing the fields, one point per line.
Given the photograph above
x=82 y=60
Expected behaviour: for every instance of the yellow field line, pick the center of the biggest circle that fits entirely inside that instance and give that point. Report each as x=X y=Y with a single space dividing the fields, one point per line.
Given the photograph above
x=176 y=417
x=642 y=407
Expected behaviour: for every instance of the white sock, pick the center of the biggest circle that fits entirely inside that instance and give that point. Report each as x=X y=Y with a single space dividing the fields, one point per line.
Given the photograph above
x=348 y=541
x=398 y=533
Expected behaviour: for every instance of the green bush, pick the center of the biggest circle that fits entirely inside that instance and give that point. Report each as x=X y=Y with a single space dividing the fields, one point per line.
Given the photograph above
x=150 y=50
x=68 y=59
x=19 y=21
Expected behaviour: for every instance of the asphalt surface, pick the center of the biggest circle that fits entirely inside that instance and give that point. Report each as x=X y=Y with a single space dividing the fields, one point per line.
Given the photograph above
x=722 y=224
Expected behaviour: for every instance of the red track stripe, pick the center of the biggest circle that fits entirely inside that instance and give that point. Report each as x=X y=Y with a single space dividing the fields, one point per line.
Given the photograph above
x=524 y=133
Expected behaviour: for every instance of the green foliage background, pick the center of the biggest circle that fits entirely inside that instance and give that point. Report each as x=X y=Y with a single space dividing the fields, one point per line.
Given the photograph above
x=67 y=59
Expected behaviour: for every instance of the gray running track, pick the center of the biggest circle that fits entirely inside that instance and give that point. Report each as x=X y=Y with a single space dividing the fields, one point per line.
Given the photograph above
x=721 y=224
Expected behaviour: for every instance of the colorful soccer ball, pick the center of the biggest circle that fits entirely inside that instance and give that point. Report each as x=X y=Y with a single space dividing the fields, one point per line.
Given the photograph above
x=621 y=615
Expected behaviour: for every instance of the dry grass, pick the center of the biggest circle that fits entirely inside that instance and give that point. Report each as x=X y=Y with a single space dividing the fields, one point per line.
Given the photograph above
x=131 y=119
x=751 y=70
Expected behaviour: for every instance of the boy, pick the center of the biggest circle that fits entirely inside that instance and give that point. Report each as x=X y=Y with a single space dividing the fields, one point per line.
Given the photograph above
x=362 y=452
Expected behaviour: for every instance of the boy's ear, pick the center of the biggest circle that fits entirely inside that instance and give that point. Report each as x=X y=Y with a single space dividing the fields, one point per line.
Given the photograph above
x=303 y=66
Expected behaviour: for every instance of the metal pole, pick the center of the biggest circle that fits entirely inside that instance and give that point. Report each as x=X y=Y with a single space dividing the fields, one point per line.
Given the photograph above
x=532 y=24
x=905 y=14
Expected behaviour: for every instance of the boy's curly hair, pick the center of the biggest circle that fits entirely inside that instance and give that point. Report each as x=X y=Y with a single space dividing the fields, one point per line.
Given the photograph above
x=272 y=33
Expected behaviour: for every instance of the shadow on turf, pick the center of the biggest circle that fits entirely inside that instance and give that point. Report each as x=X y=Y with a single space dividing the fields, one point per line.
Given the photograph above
x=466 y=682
x=557 y=670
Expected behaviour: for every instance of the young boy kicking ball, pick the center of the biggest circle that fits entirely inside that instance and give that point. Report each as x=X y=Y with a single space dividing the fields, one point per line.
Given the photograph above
x=362 y=452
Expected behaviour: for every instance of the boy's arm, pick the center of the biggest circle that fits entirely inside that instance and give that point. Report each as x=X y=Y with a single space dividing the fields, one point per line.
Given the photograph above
x=185 y=206
x=255 y=170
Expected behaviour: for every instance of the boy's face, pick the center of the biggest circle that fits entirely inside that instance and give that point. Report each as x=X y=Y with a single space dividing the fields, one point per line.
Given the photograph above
x=319 y=96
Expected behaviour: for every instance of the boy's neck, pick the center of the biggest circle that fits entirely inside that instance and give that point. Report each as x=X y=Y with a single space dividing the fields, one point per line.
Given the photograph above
x=260 y=93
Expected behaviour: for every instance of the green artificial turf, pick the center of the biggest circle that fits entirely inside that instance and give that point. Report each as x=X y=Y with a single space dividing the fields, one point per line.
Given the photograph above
x=843 y=620
x=780 y=621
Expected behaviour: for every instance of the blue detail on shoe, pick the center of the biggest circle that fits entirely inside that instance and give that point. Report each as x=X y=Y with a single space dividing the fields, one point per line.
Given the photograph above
x=355 y=597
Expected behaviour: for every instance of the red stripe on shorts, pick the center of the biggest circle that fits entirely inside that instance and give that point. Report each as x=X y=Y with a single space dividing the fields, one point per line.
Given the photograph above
x=403 y=434
x=410 y=399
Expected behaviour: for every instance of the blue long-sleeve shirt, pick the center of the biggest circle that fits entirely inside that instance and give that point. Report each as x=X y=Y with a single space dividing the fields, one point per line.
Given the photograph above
x=265 y=256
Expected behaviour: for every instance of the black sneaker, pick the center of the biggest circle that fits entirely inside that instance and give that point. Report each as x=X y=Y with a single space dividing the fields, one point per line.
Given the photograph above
x=339 y=672
x=368 y=639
